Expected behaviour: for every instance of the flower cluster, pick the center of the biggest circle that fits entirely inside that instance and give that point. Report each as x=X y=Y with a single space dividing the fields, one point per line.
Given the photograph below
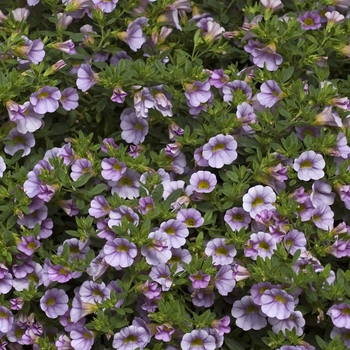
x=174 y=175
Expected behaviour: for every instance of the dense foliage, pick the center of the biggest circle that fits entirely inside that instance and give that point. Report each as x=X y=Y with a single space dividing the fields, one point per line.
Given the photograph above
x=174 y=174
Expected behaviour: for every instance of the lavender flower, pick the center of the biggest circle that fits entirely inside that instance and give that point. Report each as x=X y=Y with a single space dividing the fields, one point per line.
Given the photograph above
x=6 y=319
x=82 y=338
x=198 y=339
x=86 y=77
x=134 y=129
x=309 y=166
x=120 y=252
x=54 y=302
x=266 y=56
x=247 y=314
x=69 y=99
x=260 y=244
x=310 y=21
x=112 y=169
x=220 y=150
x=295 y=320
x=203 y=181
x=131 y=338
x=80 y=167
x=340 y=315
x=16 y=141
x=270 y=93
x=197 y=93
x=257 y=199
x=237 y=218
x=176 y=232
x=277 y=303
x=127 y=186
x=221 y=252
x=191 y=217
x=45 y=100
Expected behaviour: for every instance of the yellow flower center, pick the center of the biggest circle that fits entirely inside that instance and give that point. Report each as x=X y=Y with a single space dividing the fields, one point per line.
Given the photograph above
x=203 y=185
x=280 y=299
x=251 y=309
x=306 y=164
x=31 y=245
x=345 y=311
x=43 y=94
x=264 y=245
x=190 y=222
x=50 y=302
x=116 y=166
x=170 y=230
x=221 y=251
x=125 y=181
x=218 y=147
x=309 y=21
x=197 y=342
x=237 y=217
x=257 y=201
x=122 y=248
x=130 y=339
x=138 y=127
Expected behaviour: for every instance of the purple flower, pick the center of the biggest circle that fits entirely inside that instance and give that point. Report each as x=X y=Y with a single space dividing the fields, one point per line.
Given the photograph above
x=31 y=50
x=106 y=6
x=309 y=166
x=322 y=217
x=45 y=100
x=233 y=87
x=203 y=181
x=112 y=169
x=59 y=274
x=277 y=303
x=158 y=250
x=295 y=320
x=2 y=167
x=80 y=167
x=69 y=99
x=143 y=101
x=221 y=252
x=294 y=240
x=266 y=56
x=127 y=186
x=270 y=93
x=257 y=199
x=237 y=218
x=118 y=95
x=310 y=21
x=146 y=204
x=321 y=193
x=92 y=292
x=197 y=93
x=28 y=245
x=340 y=315
x=134 y=129
x=162 y=101
x=120 y=252
x=198 y=339
x=260 y=244
x=343 y=333
x=222 y=326
x=224 y=280
x=16 y=141
x=24 y=116
x=220 y=150
x=179 y=255
x=99 y=207
x=6 y=320
x=164 y=332
x=247 y=314
x=176 y=232
x=54 y=302
x=191 y=217
x=80 y=309
x=131 y=338
x=82 y=338
x=161 y=275
x=86 y=77
x=199 y=280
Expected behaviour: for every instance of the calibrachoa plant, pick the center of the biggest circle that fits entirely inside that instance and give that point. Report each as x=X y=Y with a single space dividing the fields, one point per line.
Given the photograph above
x=174 y=174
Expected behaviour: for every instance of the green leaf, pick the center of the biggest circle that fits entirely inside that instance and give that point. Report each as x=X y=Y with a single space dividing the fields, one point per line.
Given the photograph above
x=233 y=345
